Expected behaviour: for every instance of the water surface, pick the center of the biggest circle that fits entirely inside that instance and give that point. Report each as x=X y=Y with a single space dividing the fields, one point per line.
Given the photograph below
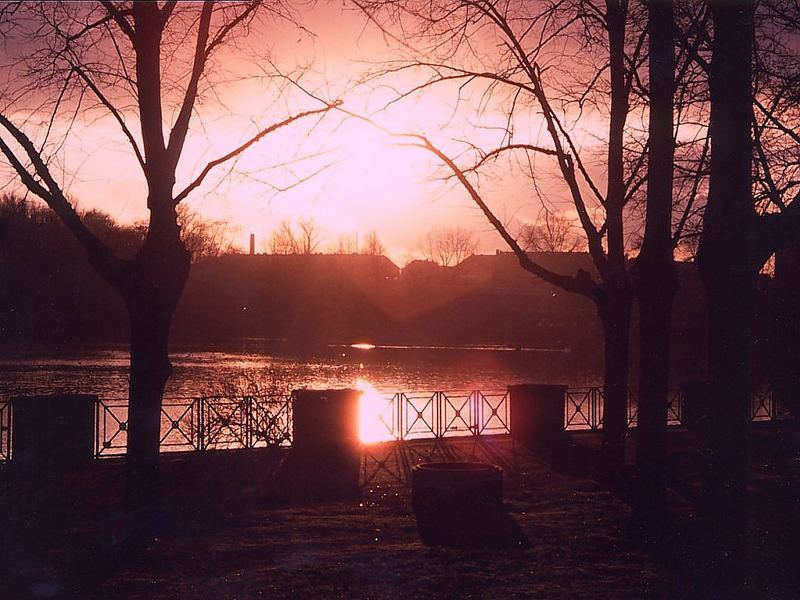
x=203 y=370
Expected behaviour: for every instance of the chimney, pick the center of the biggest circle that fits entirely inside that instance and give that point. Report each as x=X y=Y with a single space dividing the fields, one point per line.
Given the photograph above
x=252 y=244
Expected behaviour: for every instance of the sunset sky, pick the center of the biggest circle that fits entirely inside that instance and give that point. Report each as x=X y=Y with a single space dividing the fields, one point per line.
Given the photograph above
x=362 y=179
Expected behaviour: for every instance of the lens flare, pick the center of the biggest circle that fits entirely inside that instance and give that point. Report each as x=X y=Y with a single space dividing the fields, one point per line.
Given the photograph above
x=373 y=415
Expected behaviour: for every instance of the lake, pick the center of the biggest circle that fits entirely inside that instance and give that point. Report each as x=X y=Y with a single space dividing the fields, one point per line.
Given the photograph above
x=212 y=369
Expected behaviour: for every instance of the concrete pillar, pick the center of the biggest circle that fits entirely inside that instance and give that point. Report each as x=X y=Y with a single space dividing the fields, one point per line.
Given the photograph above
x=537 y=414
x=326 y=451
x=696 y=405
x=325 y=418
x=53 y=432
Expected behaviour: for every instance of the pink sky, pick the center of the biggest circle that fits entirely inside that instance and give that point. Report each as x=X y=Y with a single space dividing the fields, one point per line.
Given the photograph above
x=370 y=182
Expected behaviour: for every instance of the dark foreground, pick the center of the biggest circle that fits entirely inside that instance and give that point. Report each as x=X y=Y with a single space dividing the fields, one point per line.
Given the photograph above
x=232 y=527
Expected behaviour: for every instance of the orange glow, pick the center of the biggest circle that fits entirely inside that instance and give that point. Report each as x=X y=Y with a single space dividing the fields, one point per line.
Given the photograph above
x=373 y=415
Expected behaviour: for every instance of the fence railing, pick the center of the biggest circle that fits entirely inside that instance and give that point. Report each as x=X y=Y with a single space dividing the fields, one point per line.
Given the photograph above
x=5 y=430
x=583 y=408
x=206 y=423
x=217 y=422
x=414 y=415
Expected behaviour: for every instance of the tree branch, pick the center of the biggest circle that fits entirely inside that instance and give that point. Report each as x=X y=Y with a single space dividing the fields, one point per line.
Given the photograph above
x=99 y=253
x=119 y=18
x=581 y=283
x=177 y=136
x=114 y=113
x=239 y=149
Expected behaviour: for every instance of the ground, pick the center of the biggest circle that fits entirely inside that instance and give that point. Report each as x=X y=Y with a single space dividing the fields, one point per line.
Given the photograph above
x=234 y=527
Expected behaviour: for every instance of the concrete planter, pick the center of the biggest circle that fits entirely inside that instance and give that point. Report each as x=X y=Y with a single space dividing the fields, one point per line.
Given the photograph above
x=458 y=503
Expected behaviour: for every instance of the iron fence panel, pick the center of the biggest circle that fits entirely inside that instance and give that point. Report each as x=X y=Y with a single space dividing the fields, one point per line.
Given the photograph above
x=111 y=427
x=494 y=413
x=5 y=430
x=270 y=421
x=582 y=408
x=458 y=413
x=419 y=415
x=633 y=408
x=226 y=422
x=761 y=405
x=179 y=426
x=675 y=408
x=388 y=415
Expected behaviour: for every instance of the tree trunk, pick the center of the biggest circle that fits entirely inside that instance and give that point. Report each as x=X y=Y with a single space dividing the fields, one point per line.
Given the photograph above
x=655 y=279
x=615 y=314
x=157 y=278
x=785 y=329
x=731 y=302
x=655 y=292
x=728 y=268
x=615 y=301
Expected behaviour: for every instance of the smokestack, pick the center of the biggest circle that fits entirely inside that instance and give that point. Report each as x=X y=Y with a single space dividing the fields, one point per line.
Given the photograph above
x=252 y=244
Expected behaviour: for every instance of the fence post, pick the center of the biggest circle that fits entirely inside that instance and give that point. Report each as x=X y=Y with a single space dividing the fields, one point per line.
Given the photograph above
x=326 y=453
x=537 y=414
x=696 y=404
x=401 y=431
x=5 y=431
x=438 y=401
x=53 y=433
x=201 y=423
x=248 y=424
x=475 y=414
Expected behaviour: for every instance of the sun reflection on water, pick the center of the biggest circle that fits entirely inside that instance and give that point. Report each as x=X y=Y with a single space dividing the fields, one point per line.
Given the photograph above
x=363 y=346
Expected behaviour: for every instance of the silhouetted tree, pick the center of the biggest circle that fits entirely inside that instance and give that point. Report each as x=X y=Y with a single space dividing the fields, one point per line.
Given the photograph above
x=449 y=246
x=776 y=137
x=284 y=239
x=654 y=272
x=346 y=244
x=127 y=57
x=372 y=245
x=528 y=36
x=553 y=232
x=309 y=237
x=203 y=238
x=729 y=264
x=302 y=238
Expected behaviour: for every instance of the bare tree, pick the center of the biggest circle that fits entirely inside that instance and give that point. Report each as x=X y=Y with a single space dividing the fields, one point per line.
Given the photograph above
x=727 y=260
x=203 y=238
x=372 y=245
x=309 y=236
x=301 y=238
x=654 y=275
x=527 y=70
x=346 y=244
x=449 y=246
x=284 y=239
x=553 y=232
x=128 y=60
x=776 y=139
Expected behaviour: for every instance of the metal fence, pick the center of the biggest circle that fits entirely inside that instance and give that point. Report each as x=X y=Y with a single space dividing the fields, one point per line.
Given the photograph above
x=5 y=430
x=217 y=422
x=206 y=423
x=583 y=408
x=415 y=415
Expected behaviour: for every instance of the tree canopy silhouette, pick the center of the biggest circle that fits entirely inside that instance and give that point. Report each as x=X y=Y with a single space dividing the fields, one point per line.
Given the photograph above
x=130 y=61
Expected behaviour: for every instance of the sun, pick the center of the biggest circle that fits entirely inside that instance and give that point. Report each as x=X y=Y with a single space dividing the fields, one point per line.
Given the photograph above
x=374 y=415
